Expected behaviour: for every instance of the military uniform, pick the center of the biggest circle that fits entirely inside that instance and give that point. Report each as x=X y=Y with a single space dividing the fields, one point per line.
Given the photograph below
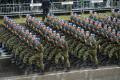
x=45 y=6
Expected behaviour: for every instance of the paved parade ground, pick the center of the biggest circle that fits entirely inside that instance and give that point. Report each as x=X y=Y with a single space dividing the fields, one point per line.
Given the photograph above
x=11 y=72
x=103 y=73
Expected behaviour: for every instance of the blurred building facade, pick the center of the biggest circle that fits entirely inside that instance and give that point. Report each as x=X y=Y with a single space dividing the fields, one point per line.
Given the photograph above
x=23 y=7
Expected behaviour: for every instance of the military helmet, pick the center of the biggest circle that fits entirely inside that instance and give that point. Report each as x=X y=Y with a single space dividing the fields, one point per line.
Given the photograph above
x=42 y=23
x=82 y=30
x=78 y=28
x=27 y=31
x=47 y=27
x=70 y=24
x=92 y=35
x=63 y=37
x=74 y=25
x=54 y=32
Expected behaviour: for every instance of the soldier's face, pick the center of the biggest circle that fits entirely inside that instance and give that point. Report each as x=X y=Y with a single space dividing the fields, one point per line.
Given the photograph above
x=113 y=33
x=78 y=29
x=33 y=19
x=54 y=34
x=87 y=33
x=105 y=27
x=118 y=34
x=109 y=29
x=82 y=31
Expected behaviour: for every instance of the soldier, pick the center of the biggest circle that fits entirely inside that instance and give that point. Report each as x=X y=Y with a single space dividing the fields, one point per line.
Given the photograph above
x=113 y=35
x=27 y=17
x=6 y=20
x=87 y=36
x=45 y=6
x=91 y=14
x=114 y=20
x=109 y=19
x=105 y=27
x=109 y=29
x=99 y=25
x=118 y=36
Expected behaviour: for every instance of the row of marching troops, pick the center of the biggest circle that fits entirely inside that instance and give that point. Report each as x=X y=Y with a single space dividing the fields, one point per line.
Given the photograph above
x=26 y=47
x=97 y=26
x=82 y=44
x=55 y=46
x=44 y=46
x=108 y=20
x=87 y=38
x=109 y=32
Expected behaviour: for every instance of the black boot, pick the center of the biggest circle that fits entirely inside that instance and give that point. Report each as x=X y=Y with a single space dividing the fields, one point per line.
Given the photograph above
x=95 y=66
x=41 y=72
